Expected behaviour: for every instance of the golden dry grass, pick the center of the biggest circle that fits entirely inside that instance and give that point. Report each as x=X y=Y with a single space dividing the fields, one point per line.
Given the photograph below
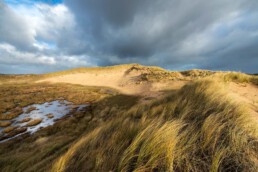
x=22 y=153
x=14 y=97
x=200 y=127
x=34 y=122
x=30 y=109
x=237 y=77
x=10 y=115
x=25 y=120
x=9 y=129
x=5 y=123
x=192 y=130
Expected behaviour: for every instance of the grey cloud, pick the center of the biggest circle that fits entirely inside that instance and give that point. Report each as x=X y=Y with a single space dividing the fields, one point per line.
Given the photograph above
x=146 y=30
x=242 y=57
x=10 y=64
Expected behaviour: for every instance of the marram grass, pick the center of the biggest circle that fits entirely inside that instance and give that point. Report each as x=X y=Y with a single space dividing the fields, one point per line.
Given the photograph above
x=199 y=128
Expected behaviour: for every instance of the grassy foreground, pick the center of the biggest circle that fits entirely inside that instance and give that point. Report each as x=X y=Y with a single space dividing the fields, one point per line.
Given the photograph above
x=200 y=127
x=191 y=130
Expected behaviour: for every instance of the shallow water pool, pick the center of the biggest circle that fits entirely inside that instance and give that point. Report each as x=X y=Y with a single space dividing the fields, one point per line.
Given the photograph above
x=48 y=112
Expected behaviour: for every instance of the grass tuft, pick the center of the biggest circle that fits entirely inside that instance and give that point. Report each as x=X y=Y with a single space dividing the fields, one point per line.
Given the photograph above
x=34 y=122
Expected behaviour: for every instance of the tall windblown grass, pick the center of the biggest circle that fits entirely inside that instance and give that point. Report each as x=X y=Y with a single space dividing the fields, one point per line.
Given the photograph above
x=199 y=128
x=101 y=149
x=238 y=77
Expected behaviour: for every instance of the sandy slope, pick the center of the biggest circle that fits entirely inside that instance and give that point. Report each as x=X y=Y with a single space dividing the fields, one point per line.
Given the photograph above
x=113 y=79
x=119 y=79
x=247 y=93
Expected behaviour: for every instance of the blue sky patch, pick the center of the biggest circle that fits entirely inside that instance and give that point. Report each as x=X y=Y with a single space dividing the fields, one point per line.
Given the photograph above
x=30 y=2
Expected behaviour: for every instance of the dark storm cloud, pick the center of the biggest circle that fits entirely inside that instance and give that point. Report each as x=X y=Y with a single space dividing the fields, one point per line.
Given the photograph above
x=175 y=34
x=146 y=30
x=241 y=57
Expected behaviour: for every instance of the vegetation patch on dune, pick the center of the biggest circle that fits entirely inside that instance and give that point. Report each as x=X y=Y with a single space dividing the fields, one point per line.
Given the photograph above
x=238 y=77
x=195 y=73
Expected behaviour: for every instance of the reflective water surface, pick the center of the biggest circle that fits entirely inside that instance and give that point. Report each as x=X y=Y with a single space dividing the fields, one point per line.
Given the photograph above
x=47 y=113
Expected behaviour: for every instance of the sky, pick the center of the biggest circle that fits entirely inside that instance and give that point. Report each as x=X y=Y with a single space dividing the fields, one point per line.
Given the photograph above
x=43 y=36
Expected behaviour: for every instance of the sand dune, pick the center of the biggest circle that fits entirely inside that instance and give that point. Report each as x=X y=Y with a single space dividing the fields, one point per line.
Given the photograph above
x=126 y=80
